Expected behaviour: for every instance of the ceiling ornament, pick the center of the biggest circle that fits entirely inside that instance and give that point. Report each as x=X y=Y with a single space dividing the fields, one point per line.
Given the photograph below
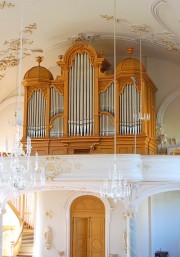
x=9 y=55
x=140 y=28
x=167 y=38
x=2 y=76
x=4 y=5
x=30 y=28
x=82 y=37
x=111 y=18
x=155 y=11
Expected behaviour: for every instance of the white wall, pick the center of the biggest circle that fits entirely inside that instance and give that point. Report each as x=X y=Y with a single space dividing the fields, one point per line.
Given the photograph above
x=165 y=223
x=8 y=130
x=117 y=229
x=143 y=229
x=165 y=75
x=54 y=201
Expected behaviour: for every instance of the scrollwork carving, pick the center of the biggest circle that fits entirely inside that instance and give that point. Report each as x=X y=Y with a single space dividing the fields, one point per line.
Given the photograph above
x=81 y=51
x=103 y=85
x=31 y=90
x=59 y=88
x=128 y=81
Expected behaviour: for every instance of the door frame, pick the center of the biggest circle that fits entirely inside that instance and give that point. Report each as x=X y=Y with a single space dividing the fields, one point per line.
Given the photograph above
x=108 y=210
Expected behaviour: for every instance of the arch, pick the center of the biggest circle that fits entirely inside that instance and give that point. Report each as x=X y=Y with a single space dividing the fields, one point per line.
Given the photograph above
x=152 y=190
x=67 y=207
x=167 y=101
x=9 y=101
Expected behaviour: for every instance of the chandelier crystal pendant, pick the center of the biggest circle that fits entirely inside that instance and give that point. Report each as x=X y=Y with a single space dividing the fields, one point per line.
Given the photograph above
x=18 y=170
x=116 y=187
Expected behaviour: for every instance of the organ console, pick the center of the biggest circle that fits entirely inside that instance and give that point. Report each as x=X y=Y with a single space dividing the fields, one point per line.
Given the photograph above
x=75 y=113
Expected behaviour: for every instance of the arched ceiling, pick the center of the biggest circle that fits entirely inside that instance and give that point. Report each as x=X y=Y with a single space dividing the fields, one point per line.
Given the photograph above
x=51 y=26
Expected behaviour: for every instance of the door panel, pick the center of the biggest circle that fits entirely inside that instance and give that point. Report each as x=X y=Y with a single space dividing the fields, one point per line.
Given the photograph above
x=80 y=233
x=87 y=227
x=96 y=237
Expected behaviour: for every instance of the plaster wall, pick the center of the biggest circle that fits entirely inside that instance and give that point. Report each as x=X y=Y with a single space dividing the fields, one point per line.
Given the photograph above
x=54 y=202
x=8 y=129
x=165 y=223
x=165 y=75
x=143 y=229
x=157 y=222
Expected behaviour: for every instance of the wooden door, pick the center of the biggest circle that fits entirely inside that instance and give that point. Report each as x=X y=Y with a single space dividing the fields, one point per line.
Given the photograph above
x=87 y=227
x=80 y=237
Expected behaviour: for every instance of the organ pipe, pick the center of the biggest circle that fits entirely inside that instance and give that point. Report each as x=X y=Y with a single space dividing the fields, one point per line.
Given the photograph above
x=81 y=90
x=107 y=105
x=129 y=109
x=36 y=126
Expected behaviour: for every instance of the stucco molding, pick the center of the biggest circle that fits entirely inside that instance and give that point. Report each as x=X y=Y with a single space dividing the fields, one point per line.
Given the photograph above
x=9 y=101
x=163 y=107
x=72 y=196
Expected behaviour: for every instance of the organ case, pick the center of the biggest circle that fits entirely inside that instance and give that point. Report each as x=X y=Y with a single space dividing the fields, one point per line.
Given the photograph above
x=75 y=113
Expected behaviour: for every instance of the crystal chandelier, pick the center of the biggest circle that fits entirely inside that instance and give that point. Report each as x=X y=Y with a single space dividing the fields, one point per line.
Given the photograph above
x=116 y=187
x=18 y=170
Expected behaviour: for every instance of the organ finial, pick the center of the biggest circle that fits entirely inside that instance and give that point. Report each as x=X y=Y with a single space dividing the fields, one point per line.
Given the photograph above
x=130 y=51
x=39 y=59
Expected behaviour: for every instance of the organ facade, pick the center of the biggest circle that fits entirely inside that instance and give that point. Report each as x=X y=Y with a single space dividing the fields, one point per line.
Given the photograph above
x=80 y=110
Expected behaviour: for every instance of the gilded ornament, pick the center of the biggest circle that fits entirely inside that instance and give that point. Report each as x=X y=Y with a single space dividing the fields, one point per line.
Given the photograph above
x=59 y=88
x=83 y=38
x=30 y=28
x=4 y=4
x=39 y=59
x=111 y=18
x=32 y=89
x=123 y=83
x=140 y=28
x=103 y=86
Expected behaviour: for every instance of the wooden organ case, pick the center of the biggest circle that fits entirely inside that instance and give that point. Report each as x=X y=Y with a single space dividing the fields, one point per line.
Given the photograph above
x=74 y=113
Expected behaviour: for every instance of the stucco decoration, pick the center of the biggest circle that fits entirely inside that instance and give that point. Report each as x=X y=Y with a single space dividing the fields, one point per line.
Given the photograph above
x=48 y=237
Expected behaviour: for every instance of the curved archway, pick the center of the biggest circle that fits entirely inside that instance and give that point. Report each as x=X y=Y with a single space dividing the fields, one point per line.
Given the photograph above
x=87 y=227
x=107 y=209
x=167 y=101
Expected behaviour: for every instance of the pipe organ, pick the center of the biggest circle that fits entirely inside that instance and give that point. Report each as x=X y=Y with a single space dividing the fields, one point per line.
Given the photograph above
x=129 y=103
x=81 y=110
x=81 y=91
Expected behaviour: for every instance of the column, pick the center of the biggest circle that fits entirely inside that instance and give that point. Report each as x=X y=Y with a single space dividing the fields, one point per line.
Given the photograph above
x=2 y=211
x=131 y=233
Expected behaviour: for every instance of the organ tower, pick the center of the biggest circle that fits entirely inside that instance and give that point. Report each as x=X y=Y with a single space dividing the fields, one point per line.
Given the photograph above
x=76 y=112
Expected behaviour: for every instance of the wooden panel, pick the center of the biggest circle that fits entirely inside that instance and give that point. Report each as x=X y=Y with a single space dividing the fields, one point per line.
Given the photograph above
x=87 y=227
x=80 y=234
x=96 y=243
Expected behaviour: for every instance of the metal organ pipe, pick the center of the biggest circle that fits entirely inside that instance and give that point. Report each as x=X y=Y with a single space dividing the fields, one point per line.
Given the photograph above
x=57 y=107
x=81 y=88
x=36 y=115
x=107 y=105
x=129 y=109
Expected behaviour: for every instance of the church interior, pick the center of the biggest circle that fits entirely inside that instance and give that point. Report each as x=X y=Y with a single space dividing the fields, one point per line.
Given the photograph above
x=89 y=137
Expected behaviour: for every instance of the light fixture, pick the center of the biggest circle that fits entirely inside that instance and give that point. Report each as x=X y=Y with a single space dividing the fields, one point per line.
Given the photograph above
x=115 y=186
x=17 y=169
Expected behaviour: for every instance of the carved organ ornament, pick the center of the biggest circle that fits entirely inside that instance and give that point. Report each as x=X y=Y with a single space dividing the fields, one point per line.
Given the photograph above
x=74 y=113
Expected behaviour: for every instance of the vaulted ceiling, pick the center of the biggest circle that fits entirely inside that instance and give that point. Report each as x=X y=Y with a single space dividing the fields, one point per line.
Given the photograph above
x=50 y=27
